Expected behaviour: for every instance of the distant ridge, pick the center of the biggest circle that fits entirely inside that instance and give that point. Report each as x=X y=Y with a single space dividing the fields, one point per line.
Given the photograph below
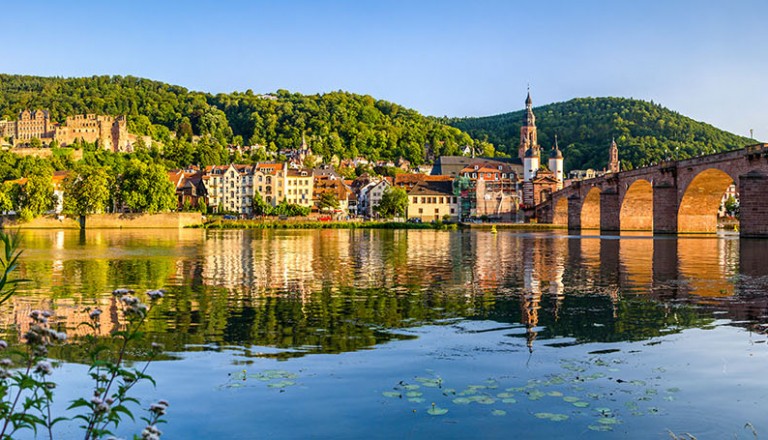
x=645 y=132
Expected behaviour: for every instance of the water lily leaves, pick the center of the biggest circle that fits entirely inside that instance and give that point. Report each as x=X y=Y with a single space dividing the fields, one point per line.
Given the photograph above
x=509 y=400
x=462 y=401
x=551 y=416
x=600 y=428
x=393 y=394
x=411 y=387
x=608 y=421
x=416 y=400
x=673 y=390
x=282 y=384
x=580 y=404
x=504 y=395
x=571 y=399
x=485 y=400
x=429 y=382
x=413 y=394
x=535 y=395
x=436 y=411
x=555 y=394
x=498 y=412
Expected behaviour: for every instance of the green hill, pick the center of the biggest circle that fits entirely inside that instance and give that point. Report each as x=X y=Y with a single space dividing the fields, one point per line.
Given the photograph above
x=645 y=132
x=337 y=123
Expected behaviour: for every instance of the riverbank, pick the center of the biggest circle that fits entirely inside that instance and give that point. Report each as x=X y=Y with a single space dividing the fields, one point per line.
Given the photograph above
x=309 y=224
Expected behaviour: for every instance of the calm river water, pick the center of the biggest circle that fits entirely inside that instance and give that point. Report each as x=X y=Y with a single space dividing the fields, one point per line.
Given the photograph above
x=423 y=334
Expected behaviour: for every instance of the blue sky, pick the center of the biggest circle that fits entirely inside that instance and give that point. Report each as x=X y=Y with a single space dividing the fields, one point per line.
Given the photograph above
x=705 y=59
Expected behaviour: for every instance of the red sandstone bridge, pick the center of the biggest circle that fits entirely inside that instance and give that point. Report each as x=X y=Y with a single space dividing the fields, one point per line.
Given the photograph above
x=671 y=197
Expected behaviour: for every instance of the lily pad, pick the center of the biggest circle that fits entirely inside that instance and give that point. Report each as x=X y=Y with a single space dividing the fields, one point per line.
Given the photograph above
x=555 y=394
x=393 y=394
x=504 y=395
x=413 y=394
x=600 y=428
x=608 y=421
x=551 y=416
x=571 y=399
x=462 y=401
x=498 y=412
x=509 y=400
x=535 y=395
x=281 y=384
x=436 y=411
x=411 y=387
x=580 y=404
x=416 y=400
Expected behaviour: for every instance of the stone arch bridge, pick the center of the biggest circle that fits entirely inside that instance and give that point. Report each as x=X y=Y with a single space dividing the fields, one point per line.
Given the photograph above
x=671 y=197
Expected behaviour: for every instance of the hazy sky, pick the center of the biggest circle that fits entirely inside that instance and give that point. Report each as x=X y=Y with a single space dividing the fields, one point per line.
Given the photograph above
x=705 y=59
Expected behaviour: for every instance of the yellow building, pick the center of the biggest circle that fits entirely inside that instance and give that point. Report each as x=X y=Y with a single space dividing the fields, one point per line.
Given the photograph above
x=432 y=200
x=298 y=187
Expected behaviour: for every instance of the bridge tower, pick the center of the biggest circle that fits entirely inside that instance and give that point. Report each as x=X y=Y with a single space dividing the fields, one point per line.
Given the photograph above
x=556 y=164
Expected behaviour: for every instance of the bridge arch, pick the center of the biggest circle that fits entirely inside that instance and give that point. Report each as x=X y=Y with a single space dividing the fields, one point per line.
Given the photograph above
x=637 y=207
x=560 y=211
x=701 y=200
x=590 y=210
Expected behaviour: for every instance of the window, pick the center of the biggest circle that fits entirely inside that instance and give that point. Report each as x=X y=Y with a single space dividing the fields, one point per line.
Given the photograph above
x=453 y=211
x=442 y=200
x=421 y=211
x=437 y=211
x=423 y=200
x=415 y=200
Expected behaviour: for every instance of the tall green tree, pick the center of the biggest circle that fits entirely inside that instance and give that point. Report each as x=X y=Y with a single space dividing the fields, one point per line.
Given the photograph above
x=328 y=201
x=394 y=202
x=87 y=190
x=36 y=196
x=146 y=188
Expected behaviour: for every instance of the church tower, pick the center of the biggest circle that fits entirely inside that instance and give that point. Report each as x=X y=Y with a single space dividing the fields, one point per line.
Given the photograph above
x=528 y=130
x=613 y=158
x=556 y=164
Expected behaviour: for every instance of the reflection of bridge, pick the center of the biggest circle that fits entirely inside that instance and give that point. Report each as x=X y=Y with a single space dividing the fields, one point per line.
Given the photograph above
x=671 y=197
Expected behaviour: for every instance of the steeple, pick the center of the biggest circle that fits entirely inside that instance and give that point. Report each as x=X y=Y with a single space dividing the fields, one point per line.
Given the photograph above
x=528 y=129
x=613 y=157
x=556 y=153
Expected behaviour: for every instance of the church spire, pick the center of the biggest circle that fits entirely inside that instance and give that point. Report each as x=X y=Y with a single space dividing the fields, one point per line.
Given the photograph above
x=613 y=157
x=528 y=130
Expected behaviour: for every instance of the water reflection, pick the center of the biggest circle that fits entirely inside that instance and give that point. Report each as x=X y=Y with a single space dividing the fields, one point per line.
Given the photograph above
x=342 y=290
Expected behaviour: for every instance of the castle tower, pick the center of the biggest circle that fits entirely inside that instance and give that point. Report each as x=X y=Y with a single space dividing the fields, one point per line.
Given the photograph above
x=528 y=130
x=556 y=163
x=613 y=158
x=530 y=164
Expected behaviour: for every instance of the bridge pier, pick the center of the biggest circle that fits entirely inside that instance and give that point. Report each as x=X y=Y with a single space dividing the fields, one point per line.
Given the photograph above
x=753 y=206
x=574 y=213
x=665 y=206
x=610 y=212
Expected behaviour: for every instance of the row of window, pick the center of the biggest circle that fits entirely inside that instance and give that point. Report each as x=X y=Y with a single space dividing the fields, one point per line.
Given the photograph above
x=433 y=200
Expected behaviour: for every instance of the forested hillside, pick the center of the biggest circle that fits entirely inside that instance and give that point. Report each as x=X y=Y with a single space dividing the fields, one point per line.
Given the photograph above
x=338 y=123
x=645 y=132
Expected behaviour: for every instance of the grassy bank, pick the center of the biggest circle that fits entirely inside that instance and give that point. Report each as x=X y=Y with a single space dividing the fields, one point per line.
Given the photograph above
x=288 y=224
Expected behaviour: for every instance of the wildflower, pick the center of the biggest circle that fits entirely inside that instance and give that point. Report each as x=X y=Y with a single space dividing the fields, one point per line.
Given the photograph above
x=95 y=313
x=129 y=300
x=151 y=433
x=163 y=402
x=156 y=346
x=5 y=363
x=122 y=292
x=156 y=294
x=157 y=409
x=3 y=345
x=43 y=368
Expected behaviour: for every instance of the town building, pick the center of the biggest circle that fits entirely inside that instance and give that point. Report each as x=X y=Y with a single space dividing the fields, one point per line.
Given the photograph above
x=370 y=196
x=299 y=187
x=539 y=180
x=433 y=200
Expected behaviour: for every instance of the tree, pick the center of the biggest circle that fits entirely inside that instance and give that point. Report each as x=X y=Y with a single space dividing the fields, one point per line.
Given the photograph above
x=260 y=207
x=37 y=195
x=86 y=190
x=146 y=188
x=393 y=202
x=328 y=201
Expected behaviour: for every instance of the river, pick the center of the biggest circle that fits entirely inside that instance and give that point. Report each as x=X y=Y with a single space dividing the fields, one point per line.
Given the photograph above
x=421 y=333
